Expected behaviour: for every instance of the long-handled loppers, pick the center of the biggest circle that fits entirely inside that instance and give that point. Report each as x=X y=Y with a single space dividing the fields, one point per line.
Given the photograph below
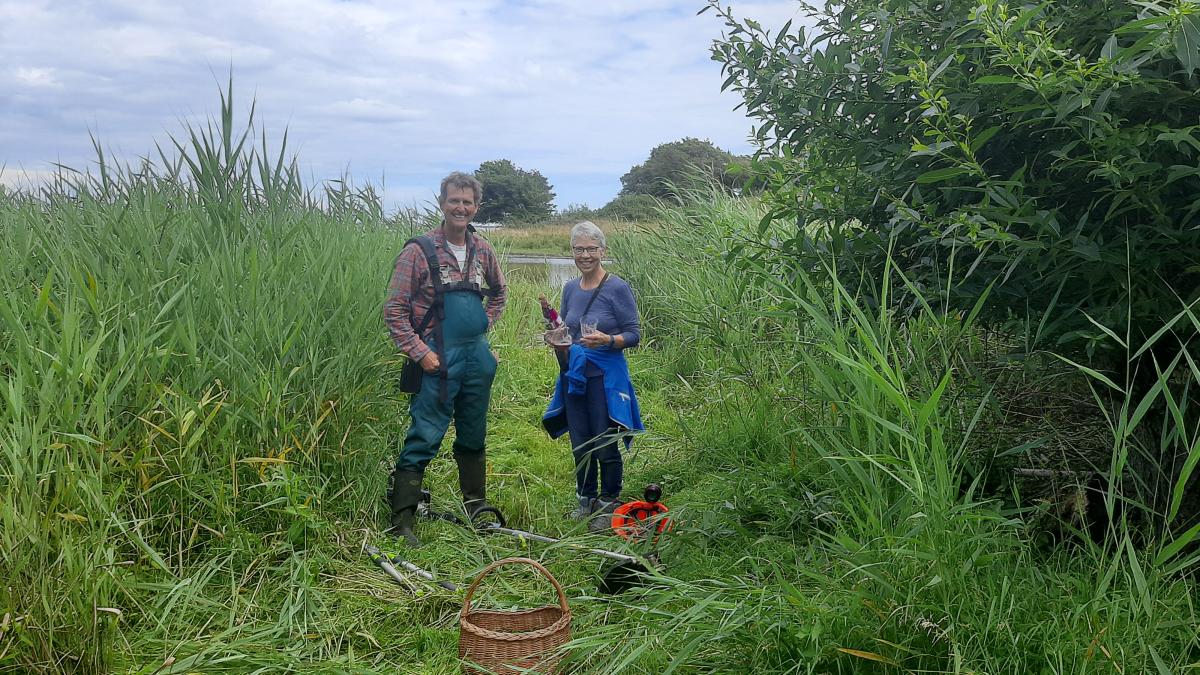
x=388 y=563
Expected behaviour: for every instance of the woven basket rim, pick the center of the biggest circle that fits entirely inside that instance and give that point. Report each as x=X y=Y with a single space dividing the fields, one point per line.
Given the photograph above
x=563 y=621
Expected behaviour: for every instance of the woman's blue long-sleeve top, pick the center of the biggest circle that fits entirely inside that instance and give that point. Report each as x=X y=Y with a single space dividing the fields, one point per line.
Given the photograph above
x=615 y=313
x=614 y=310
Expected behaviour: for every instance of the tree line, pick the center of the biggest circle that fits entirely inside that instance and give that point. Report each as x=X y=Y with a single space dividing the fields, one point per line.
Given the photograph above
x=512 y=194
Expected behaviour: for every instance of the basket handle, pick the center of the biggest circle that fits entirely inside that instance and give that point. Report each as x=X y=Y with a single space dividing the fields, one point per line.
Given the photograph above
x=562 y=597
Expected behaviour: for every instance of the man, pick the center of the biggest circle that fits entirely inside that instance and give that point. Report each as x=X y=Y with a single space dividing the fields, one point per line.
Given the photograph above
x=445 y=331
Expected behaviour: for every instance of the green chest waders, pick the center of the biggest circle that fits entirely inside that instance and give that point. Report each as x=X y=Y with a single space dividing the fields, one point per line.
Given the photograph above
x=461 y=388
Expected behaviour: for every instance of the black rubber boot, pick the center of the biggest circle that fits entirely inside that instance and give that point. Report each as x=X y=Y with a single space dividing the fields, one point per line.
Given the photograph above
x=472 y=480
x=405 y=495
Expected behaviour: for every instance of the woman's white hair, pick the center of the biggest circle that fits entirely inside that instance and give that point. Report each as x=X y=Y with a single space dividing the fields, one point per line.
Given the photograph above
x=588 y=230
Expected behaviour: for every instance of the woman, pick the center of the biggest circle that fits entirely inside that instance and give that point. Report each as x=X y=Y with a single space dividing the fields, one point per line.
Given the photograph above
x=594 y=399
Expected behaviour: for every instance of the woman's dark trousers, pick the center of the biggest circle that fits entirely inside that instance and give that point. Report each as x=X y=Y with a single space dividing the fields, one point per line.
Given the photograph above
x=594 y=442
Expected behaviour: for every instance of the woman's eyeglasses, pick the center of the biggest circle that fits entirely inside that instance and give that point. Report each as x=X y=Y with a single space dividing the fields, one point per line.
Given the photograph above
x=589 y=250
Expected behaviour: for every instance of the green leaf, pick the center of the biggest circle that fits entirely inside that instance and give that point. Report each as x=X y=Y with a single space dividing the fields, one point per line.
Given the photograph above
x=1087 y=248
x=1110 y=48
x=941 y=67
x=939 y=175
x=1102 y=100
x=983 y=137
x=1187 y=42
x=997 y=79
x=1149 y=22
x=1178 y=544
x=1139 y=577
x=1028 y=15
x=1093 y=373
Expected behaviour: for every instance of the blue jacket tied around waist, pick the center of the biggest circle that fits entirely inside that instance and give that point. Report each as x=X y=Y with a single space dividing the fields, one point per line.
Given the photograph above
x=618 y=390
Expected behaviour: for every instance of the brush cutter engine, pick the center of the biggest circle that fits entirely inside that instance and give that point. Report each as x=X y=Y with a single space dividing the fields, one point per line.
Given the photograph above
x=636 y=521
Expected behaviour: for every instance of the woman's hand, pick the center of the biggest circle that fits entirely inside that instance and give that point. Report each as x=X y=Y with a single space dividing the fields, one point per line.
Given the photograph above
x=596 y=340
x=555 y=345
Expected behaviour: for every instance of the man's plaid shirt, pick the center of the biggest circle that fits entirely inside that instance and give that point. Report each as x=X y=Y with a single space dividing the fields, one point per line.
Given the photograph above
x=410 y=292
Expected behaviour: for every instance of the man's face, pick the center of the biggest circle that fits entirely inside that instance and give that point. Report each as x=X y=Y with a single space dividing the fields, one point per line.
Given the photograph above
x=459 y=206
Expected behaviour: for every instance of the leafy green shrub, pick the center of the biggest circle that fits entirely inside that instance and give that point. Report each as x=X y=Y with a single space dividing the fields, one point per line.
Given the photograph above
x=1050 y=148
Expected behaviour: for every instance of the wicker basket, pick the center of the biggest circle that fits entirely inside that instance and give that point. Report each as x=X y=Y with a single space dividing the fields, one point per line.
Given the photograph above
x=511 y=641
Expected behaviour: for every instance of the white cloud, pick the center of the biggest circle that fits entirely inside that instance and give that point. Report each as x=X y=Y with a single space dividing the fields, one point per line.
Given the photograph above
x=404 y=90
x=371 y=109
x=21 y=178
x=37 y=77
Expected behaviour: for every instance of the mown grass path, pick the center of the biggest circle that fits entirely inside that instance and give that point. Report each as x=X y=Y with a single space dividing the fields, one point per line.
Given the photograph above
x=531 y=480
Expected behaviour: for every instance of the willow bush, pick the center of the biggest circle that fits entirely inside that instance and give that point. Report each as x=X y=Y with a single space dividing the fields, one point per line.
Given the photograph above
x=1045 y=153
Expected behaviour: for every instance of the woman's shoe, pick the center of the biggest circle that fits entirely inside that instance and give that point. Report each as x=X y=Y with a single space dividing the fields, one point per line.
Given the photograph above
x=601 y=518
x=584 y=509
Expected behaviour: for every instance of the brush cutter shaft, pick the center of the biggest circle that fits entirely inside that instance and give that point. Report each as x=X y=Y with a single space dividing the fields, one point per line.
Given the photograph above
x=395 y=574
x=521 y=534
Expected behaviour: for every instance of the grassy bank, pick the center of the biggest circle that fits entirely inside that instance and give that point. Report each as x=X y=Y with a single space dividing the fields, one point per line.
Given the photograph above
x=200 y=413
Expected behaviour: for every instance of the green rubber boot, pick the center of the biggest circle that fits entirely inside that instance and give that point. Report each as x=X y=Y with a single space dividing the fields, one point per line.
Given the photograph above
x=472 y=480
x=406 y=494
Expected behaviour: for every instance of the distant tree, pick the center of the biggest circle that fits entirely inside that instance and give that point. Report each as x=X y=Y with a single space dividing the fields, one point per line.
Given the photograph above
x=673 y=163
x=638 y=207
x=575 y=213
x=512 y=194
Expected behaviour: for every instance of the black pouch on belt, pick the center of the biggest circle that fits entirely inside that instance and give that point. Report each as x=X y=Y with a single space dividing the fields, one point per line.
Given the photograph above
x=410 y=377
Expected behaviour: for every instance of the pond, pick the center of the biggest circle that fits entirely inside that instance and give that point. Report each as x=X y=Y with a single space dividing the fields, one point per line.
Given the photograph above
x=553 y=270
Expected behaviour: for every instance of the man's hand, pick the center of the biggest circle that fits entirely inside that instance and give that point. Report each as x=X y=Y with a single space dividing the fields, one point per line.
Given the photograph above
x=430 y=363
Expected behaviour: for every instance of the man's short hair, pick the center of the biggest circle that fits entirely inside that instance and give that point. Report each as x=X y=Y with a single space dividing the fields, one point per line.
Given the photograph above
x=461 y=180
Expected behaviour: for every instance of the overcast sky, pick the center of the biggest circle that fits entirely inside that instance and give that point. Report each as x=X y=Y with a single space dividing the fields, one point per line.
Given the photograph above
x=395 y=92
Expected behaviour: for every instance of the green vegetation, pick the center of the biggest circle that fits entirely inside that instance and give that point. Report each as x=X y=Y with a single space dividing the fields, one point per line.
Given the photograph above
x=676 y=163
x=1034 y=165
x=512 y=194
x=200 y=412
x=547 y=238
x=1051 y=146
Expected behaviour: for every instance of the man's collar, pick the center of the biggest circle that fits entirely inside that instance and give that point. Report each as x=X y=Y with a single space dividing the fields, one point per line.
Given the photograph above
x=440 y=233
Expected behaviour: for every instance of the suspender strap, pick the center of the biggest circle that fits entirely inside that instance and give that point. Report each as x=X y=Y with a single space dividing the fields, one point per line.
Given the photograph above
x=426 y=244
x=440 y=288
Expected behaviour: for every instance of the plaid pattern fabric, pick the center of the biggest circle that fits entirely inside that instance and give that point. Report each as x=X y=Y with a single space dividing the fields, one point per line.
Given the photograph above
x=410 y=292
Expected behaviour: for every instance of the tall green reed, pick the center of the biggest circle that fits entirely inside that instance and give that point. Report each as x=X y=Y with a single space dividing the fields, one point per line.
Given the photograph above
x=192 y=363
